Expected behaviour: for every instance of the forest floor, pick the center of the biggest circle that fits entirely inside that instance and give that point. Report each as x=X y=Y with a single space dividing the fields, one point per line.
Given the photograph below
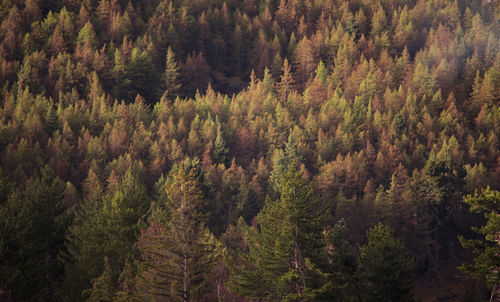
x=453 y=285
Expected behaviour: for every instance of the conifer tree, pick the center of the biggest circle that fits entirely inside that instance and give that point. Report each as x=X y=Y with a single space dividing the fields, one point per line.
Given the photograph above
x=220 y=150
x=305 y=61
x=51 y=122
x=287 y=251
x=171 y=74
x=248 y=201
x=178 y=253
x=87 y=36
x=487 y=261
x=321 y=72
x=387 y=270
x=281 y=161
x=286 y=84
x=31 y=232
x=341 y=268
x=102 y=287
x=108 y=227
x=127 y=285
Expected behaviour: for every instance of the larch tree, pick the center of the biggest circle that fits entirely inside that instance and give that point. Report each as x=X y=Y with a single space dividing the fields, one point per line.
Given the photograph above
x=286 y=83
x=305 y=61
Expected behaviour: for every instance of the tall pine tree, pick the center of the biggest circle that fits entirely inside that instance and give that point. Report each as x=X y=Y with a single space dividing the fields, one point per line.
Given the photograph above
x=32 y=227
x=107 y=227
x=385 y=267
x=171 y=74
x=287 y=251
x=220 y=150
x=487 y=262
x=178 y=252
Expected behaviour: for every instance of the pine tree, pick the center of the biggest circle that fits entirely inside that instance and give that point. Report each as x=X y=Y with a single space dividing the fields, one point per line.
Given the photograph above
x=178 y=253
x=102 y=287
x=287 y=251
x=88 y=36
x=141 y=76
x=248 y=201
x=341 y=268
x=51 y=122
x=127 y=285
x=487 y=261
x=32 y=231
x=321 y=72
x=171 y=74
x=386 y=268
x=108 y=227
x=281 y=161
x=220 y=151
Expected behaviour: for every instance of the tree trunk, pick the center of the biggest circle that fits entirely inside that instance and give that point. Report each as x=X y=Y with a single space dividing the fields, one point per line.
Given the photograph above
x=185 y=280
x=301 y=284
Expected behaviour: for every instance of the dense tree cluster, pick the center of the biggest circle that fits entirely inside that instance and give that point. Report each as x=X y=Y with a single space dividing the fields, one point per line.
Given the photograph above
x=180 y=150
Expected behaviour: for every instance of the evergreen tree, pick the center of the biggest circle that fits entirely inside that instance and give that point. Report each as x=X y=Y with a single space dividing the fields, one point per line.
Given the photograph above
x=178 y=253
x=51 y=122
x=487 y=261
x=108 y=227
x=387 y=270
x=31 y=236
x=127 y=285
x=287 y=251
x=248 y=201
x=341 y=268
x=171 y=74
x=87 y=36
x=102 y=287
x=281 y=161
x=220 y=151
x=140 y=77
x=321 y=72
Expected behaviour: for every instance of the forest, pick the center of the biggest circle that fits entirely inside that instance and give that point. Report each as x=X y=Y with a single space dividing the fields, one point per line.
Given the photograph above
x=250 y=150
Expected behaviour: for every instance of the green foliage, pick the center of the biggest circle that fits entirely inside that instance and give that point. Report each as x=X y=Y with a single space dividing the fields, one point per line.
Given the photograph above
x=87 y=36
x=487 y=258
x=139 y=78
x=321 y=72
x=248 y=207
x=178 y=254
x=400 y=87
x=127 y=285
x=32 y=228
x=106 y=227
x=386 y=267
x=342 y=267
x=171 y=74
x=220 y=150
x=281 y=161
x=287 y=251
x=102 y=287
